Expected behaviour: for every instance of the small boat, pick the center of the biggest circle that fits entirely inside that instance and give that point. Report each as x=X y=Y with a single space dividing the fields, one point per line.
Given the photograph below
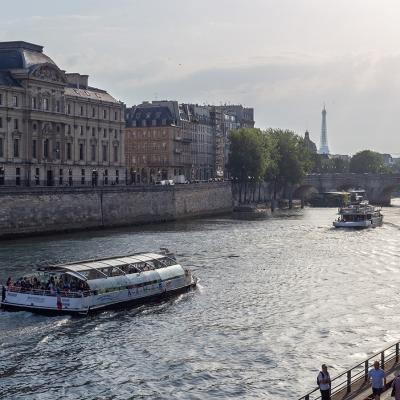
x=359 y=215
x=94 y=285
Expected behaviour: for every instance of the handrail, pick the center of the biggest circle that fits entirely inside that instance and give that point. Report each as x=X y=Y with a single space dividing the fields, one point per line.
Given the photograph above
x=46 y=292
x=347 y=379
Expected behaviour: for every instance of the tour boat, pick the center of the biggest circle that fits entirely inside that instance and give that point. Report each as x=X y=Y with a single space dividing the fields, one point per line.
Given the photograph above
x=93 y=285
x=359 y=215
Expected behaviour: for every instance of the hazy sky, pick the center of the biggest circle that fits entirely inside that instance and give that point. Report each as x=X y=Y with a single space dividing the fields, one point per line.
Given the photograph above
x=285 y=58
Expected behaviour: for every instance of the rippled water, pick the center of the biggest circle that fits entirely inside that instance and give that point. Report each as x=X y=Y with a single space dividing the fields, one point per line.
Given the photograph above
x=277 y=297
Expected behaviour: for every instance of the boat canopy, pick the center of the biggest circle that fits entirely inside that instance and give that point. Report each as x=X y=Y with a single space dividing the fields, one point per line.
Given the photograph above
x=154 y=276
x=115 y=267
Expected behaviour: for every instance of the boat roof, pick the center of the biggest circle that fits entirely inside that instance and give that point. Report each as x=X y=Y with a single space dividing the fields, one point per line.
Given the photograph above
x=117 y=261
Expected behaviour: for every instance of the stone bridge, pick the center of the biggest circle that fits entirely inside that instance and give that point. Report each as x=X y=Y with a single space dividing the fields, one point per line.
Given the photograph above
x=378 y=187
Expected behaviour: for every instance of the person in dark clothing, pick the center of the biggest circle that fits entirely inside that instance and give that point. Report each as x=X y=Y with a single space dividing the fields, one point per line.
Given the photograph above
x=324 y=383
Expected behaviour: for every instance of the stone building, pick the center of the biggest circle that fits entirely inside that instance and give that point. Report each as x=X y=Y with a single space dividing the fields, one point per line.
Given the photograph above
x=168 y=140
x=55 y=129
x=311 y=146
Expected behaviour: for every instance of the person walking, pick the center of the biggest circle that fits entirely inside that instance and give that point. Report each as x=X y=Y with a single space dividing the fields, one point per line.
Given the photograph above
x=324 y=383
x=396 y=387
x=378 y=379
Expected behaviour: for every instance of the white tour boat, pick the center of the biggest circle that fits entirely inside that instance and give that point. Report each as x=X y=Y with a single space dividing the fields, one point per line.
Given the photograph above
x=359 y=215
x=94 y=285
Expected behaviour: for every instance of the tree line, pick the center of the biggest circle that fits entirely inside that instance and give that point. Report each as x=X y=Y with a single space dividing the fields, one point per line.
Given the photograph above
x=281 y=158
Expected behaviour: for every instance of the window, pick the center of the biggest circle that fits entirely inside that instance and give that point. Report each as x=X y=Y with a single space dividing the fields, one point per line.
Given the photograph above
x=16 y=124
x=104 y=114
x=115 y=153
x=115 y=134
x=34 y=148
x=81 y=130
x=81 y=148
x=15 y=101
x=105 y=133
x=106 y=177
x=70 y=177
x=68 y=108
x=57 y=150
x=93 y=152
x=81 y=110
x=69 y=151
x=1 y=122
x=46 y=148
x=2 y=173
x=69 y=129
x=82 y=176
x=115 y=115
x=93 y=132
x=58 y=106
x=34 y=102
x=1 y=147
x=117 y=177
x=46 y=104
x=104 y=152
x=37 y=177
x=1 y=99
x=61 y=176
x=16 y=147
x=93 y=112
x=34 y=126
x=18 y=176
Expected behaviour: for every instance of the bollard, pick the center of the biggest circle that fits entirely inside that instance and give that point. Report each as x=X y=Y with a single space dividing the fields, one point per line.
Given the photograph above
x=366 y=370
x=383 y=360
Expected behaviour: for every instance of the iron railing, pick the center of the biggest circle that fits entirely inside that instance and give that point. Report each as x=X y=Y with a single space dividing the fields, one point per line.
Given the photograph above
x=356 y=378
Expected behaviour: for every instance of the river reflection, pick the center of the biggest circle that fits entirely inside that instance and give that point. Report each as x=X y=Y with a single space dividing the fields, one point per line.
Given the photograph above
x=277 y=297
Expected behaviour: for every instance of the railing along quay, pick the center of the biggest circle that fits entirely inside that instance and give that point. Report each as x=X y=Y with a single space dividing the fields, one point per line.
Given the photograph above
x=355 y=380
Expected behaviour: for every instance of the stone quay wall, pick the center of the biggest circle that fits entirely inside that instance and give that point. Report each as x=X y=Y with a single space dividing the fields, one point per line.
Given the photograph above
x=32 y=211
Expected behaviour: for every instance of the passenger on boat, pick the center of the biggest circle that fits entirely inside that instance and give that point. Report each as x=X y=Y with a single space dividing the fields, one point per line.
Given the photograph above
x=324 y=383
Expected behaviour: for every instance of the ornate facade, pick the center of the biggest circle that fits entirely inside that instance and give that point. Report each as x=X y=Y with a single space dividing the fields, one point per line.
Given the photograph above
x=54 y=128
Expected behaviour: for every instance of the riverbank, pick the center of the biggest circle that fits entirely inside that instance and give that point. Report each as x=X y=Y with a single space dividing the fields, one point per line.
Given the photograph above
x=45 y=210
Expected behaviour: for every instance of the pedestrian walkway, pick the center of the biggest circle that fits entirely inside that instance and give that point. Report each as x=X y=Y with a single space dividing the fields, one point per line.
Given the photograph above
x=353 y=384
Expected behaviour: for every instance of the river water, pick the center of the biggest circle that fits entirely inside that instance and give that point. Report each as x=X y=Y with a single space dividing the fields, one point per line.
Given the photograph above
x=277 y=297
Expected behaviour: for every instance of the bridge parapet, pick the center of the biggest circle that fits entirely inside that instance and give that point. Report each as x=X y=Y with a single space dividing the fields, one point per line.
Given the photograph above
x=378 y=187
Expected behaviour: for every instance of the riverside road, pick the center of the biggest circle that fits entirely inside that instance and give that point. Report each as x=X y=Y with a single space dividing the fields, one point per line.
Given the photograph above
x=277 y=298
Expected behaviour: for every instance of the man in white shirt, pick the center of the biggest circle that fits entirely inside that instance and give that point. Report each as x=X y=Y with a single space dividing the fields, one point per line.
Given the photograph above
x=324 y=383
x=378 y=379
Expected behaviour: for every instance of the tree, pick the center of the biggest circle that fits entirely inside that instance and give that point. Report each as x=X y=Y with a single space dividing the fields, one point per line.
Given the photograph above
x=367 y=161
x=291 y=159
x=248 y=157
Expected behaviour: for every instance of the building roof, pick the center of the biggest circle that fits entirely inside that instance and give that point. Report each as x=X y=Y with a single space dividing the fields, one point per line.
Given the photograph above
x=22 y=55
x=149 y=113
x=7 y=80
x=90 y=93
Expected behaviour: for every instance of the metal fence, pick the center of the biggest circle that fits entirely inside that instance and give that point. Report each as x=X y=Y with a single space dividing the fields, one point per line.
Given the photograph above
x=356 y=378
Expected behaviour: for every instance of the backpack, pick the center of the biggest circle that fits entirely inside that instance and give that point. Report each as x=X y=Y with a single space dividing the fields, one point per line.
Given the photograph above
x=318 y=377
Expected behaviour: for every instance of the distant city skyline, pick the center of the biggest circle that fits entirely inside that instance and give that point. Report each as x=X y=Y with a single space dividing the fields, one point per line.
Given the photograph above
x=282 y=58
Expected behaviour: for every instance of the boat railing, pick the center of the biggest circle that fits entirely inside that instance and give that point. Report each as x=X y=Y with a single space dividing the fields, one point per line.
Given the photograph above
x=53 y=293
x=356 y=378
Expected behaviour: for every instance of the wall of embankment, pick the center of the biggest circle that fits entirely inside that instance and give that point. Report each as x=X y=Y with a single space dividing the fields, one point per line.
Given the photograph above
x=32 y=211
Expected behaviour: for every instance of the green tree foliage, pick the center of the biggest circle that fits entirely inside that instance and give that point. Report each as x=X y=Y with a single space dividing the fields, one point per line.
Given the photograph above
x=323 y=165
x=367 y=161
x=277 y=156
x=291 y=158
x=248 y=157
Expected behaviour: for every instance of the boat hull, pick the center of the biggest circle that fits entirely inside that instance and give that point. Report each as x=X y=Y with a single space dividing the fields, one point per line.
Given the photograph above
x=359 y=224
x=51 y=311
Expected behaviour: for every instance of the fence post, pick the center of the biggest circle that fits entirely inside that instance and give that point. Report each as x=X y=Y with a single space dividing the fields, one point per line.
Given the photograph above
x=348 y=381
x=383 y=359
x=366 y=370
x=397 y=352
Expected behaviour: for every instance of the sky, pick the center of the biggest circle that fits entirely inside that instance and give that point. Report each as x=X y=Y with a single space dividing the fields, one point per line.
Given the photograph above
x=284 y=58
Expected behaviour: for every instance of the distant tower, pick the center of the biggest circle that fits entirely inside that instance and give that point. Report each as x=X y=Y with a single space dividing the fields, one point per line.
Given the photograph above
x=323 y=148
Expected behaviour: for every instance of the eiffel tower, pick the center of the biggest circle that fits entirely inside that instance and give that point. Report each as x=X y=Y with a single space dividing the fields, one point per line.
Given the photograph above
x=323 y=148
